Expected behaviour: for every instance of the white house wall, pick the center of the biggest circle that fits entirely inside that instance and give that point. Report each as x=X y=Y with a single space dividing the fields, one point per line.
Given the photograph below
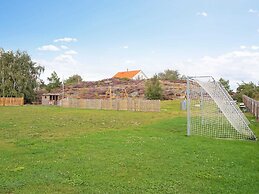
x=139 y=76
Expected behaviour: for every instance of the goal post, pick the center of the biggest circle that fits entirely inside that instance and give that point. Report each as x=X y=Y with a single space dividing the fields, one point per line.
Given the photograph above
x=212 y=112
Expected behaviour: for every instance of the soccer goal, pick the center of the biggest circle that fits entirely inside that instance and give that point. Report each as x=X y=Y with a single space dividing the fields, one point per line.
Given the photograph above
x=212 y=112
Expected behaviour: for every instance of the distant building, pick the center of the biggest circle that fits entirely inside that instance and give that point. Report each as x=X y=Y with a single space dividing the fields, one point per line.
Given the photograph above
x=135 y=75
x=51 y=98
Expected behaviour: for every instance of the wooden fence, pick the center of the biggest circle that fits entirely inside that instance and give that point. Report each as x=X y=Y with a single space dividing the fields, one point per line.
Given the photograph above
x=11 y=101
x=115 y=104
x=252 y=106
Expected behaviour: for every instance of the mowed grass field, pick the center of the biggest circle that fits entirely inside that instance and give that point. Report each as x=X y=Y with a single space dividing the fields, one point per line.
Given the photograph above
x=59 y=150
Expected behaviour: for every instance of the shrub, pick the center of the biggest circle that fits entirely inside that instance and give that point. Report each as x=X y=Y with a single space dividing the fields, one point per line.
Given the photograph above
x=153 y=89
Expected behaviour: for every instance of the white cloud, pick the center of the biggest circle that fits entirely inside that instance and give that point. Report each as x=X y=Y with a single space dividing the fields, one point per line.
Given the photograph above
x=66 y=59
x=235 y=66
x=254 y=47
x=126 y=47
x=48 y=48
x=129 y=62
x=204 y=14
x=64 y=47
x=63 y=65
x=66 y=39
x=71 y=52
x=252 y=11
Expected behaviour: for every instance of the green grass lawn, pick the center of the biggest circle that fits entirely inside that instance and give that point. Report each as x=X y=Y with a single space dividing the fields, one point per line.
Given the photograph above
x=58 y=150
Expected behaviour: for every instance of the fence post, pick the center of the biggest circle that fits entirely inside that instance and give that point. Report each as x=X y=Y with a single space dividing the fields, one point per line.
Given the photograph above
x=252 y=107
x=255 y=109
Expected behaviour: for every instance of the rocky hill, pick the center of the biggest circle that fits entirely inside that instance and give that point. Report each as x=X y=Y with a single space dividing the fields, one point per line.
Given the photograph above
x=121 y=88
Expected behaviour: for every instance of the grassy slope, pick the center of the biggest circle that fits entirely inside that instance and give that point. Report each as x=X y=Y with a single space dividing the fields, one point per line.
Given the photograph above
x=55 y=150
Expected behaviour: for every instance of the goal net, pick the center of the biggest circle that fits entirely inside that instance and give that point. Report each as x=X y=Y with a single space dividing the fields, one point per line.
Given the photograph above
x=212 y=112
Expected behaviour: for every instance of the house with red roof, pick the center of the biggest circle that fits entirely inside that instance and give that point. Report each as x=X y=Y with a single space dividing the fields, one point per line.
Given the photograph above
x=135 y=75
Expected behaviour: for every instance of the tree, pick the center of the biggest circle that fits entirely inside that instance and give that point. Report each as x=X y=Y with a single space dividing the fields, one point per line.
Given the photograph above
x=54 y=81
x=74 y=79
x=248 y=89
x=19 y=75
x=225 y=84
x=169 y=75
x=183 y=77
x=153 y=89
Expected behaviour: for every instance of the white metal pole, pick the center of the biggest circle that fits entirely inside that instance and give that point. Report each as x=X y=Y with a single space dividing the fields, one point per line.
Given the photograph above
x=188 y=108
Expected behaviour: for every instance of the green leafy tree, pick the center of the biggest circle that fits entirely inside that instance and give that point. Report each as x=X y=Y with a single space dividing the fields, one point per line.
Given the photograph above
x=19 y=75
x=74 y=79
x=169 y=75
x=54 y=81
x=41 y=84
x=225 y=84
x=153 y=89
x=248 y=89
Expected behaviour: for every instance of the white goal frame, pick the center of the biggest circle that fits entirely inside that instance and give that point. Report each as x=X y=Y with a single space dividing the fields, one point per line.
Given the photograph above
x=212 y=112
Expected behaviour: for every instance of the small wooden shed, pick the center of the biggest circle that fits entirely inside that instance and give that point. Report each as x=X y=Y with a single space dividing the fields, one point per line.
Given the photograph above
x=51 y=98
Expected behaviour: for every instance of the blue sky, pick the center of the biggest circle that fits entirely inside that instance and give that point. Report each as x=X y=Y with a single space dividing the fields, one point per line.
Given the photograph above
x=98 y=38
